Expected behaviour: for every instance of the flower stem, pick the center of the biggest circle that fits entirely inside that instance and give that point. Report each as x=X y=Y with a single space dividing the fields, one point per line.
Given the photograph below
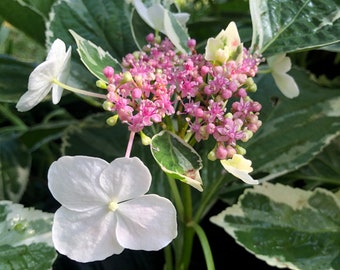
x=208 y=197
x=188 y=230
x=129 y=146
x=177 y=198
x=78 y=91
x=168 y=258
x=205 y=245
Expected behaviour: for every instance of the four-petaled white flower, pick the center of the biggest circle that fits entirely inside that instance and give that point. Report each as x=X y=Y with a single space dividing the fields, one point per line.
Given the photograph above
x=279 y=65
x=225 y=46
x=240 y=167
x=56 y=66
x=105 y=209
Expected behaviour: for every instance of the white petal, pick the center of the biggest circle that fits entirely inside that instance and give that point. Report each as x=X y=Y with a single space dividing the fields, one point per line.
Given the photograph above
x=87 y=236
x=232 y=36
x=125 y=178
x=57 y=51
x=286 y=84
x=39 y=85
x=146 y=223
x=244 y=176
x=240 y=167
x=211 y=48
x=279 y=63
x=74 y=182
x=64 y=73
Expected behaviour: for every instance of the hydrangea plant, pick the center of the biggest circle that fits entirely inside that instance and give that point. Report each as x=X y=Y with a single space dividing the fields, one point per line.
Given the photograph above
x=194 y=115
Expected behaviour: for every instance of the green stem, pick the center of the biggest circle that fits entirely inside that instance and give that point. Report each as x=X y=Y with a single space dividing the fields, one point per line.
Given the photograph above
x=78 y=91
x=205 y=245
x=168 y=258
x=188 y=230
x=12 y=117
x=177 y=198
x=208 y=197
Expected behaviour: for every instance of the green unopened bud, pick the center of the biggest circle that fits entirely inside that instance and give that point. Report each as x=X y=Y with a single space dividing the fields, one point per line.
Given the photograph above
x=101 y=84
x=240 y=150
x=228 y=115
x=111 y=121
x=212 y=155
x=158 y=39
x=146 y=140
x=107 y=106
x=248 y=135
x=250 y=85
x=136 y=54
x=127 y=77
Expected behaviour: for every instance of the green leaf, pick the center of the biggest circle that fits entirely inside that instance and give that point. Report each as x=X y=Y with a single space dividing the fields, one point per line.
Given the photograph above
x=44 y=133
x=93 y=137
x=104 y=23
x=94 y=57
x=282 y=26
x=139 y=29
x=25 y=238
x=177 y=158
x=28 y=16
x=286 y=227
x=295 y=130
x=176 y=32
x=15 y=164
x=13 y=78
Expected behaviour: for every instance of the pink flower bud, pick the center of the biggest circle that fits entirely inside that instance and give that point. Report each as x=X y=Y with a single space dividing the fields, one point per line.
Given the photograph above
x=191 y=44
x=108 y=72
x=221 y=152
x=136 y=93
x=150 y=38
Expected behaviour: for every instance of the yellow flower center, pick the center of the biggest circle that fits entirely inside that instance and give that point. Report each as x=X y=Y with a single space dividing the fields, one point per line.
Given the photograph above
x=113 y=205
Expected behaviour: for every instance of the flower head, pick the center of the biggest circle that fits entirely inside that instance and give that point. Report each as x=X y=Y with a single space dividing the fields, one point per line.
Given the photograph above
x=280 y=64
x=240 y=168
x=105 y=209
x=225 y=46
x=56 y=66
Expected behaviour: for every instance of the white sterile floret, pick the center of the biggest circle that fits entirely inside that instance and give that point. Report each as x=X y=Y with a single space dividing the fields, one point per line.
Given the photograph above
x=55 y=67
x=225 y=46
x=240 y=167
x=279 y=65
x=105 y=210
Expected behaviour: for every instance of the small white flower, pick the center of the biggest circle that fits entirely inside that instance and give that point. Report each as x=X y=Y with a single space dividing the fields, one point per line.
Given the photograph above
x=154 y=15
x=105 y=209
x=240 y=167
x=56 y=66
x=279 y=65
x=225 y=46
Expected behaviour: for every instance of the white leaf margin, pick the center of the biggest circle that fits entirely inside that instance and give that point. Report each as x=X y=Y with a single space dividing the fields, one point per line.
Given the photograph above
x=18 y=215
x=297 y=199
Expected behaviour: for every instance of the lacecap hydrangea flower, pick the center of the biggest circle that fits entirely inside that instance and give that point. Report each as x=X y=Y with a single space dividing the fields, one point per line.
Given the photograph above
x=208 y=92
x=41 y=81
x=104 y=208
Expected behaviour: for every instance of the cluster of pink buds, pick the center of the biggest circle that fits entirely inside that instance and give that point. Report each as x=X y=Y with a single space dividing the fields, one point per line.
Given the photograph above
x=209 y=97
